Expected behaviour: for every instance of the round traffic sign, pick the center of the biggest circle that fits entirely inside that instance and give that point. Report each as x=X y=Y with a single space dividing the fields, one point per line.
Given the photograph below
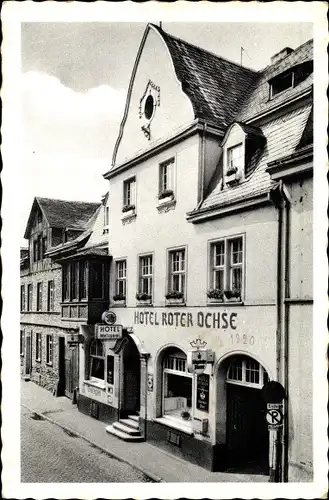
x=274 y=417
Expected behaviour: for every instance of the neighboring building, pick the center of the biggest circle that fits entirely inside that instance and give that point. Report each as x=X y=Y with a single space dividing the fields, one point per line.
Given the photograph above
x=85 y=296
x=45 y=356
x=211 y=227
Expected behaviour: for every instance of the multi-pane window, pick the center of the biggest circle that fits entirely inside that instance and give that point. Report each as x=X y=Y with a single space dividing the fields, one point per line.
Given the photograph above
x=39 y=297
x=66 y=282
x=129 y=192
x=146 y=274
x=177 y=387
x=83 y=279
x=29 y=297
x=226 y=270
x=22 y=297
x=177 y=271
x=49 y=349
x=246 y=371
x=21 y=342
x=166 y=176
x=38 y=346
x=234 y=159
x=50 y=298
x=97 y=360
x=97 y=279
x=35 y=250
x=106 y=216
x=121 y=277
x=74 y=280
x=44 y=246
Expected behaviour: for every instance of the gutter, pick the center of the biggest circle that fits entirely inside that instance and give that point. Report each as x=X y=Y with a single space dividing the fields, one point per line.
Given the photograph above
x=228 y=208
x=194 y=127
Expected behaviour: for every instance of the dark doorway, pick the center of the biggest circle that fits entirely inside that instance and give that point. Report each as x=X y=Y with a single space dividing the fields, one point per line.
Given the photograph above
x=131 y=379
x=246 y=430
x=61 y=366
x=71 y=371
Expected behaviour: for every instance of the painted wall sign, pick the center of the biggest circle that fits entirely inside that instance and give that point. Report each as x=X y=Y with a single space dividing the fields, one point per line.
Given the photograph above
x=202 y=392
x=201 y=319
x=108 y=332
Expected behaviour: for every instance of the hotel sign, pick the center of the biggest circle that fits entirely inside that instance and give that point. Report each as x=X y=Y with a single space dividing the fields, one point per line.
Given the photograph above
x=200 y=319
x=108 y=332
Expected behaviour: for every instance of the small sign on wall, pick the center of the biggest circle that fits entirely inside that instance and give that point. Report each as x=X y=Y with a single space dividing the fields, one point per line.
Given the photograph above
x=202 y=393
x=150 y=382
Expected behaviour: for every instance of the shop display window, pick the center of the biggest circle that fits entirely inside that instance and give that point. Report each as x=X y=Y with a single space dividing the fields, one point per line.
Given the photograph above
x=97 y=361
x=177 y=388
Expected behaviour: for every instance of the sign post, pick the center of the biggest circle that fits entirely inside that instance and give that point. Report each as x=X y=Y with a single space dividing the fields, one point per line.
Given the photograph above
x=273 y=393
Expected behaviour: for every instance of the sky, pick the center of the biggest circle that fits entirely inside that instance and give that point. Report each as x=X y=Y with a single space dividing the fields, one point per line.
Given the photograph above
x=74 y=78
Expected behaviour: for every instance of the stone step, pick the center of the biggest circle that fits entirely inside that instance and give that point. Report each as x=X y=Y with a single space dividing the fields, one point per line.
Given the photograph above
x=134 y=417
x=123 y=435
x=126 y=428
x=130 y=423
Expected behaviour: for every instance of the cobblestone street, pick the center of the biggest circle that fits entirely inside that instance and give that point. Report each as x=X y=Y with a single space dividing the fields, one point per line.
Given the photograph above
x=49 y=454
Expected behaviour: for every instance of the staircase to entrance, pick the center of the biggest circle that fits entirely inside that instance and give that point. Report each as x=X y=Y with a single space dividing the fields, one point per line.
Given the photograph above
x=126 y=429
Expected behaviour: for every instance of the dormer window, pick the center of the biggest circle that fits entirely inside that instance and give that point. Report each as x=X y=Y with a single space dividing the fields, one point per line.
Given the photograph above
x=242 y=147
x=290 y=78
x=281 y=83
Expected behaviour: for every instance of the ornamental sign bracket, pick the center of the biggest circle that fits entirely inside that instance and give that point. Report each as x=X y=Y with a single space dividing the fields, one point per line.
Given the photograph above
x=198 y=357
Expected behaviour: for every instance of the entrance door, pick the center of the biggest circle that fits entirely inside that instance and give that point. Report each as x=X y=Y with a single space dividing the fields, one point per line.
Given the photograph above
x=71 y=371
x=247 y=433
x=28 y=355
x=61 y=366
x=131 y=378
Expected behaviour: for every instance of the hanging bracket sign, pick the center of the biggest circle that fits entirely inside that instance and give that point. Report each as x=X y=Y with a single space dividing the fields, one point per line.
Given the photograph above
x=108 y=332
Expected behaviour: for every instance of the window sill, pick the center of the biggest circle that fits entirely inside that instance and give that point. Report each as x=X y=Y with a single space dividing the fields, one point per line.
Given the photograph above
x=22 y=354
x=50 y=363
x=174 y=424
x=144 y=303
x=94 y=383
x=166 y=205
x=128 y=217
x=175 y=302
x=225 y=303
x=38 y=361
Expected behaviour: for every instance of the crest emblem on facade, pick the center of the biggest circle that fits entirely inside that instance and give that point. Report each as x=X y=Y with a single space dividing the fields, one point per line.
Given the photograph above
x=148 y=103
x=198 y=343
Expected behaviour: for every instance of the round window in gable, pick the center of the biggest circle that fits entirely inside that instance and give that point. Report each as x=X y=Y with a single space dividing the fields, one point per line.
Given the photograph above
x=149 y=107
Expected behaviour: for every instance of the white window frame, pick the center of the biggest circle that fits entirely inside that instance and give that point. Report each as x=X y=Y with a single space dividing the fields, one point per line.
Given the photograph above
x=238 y=162
x=167 y=176
x=147 y=276
x=97 y=356
x=39 y=295
x=181 y=272
x=181 y=373
x=129 y=192
x=29 y=296
x=263 y=375
x=22 y=342
x=23 y=298
x=51 y=295
x=38 y=346
x=228 y=266
x=121 y=278
x=49 y=349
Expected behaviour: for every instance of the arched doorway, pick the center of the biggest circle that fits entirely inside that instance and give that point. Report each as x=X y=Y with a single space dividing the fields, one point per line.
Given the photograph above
x=131 y=379
x=246 y=431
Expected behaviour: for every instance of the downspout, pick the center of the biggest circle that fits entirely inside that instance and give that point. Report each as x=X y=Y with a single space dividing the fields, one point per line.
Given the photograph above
x=286 y=295
x=202 y=165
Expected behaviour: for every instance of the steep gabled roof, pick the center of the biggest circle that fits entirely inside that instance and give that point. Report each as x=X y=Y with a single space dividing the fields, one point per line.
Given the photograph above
x=215 y=86
x=62 y=213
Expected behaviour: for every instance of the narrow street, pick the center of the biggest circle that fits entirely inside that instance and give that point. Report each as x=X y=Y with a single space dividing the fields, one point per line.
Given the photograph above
x=49 y=454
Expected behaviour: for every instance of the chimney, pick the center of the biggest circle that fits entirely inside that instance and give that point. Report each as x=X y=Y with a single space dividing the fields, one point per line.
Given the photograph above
x=281 y=55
